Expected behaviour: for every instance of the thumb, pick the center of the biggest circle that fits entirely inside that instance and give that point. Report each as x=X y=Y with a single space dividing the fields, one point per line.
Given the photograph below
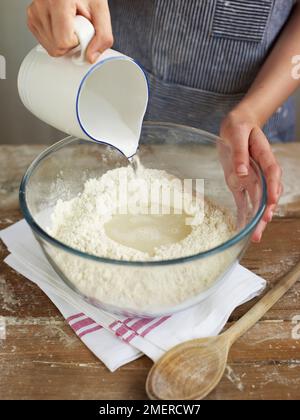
x=103 y=38
x=237 y=136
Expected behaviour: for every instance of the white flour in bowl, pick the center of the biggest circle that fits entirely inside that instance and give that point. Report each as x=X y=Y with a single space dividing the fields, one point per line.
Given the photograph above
x=90 y=223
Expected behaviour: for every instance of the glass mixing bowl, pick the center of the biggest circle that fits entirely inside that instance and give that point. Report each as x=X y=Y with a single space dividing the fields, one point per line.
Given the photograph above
x=61 y=171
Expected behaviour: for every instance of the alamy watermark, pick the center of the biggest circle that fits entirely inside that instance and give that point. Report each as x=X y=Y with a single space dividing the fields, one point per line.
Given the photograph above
x=2 y=328
x=2 y=67
x=295 y=72
x=296 y=328
x=157 y=197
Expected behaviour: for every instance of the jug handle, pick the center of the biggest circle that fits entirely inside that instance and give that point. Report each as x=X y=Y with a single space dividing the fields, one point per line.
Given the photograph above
x=85 y=32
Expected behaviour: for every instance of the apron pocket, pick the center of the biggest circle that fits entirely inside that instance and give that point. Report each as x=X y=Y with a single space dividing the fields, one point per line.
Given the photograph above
x=242 y=20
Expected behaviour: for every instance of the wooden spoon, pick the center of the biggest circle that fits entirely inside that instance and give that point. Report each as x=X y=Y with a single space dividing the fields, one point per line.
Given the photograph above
x=191 y=370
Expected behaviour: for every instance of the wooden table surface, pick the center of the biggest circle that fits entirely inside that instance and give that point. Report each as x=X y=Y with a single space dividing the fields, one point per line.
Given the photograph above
x=41 y=358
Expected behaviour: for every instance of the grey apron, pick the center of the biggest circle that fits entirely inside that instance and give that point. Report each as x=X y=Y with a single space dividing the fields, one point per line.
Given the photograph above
x=201 y=56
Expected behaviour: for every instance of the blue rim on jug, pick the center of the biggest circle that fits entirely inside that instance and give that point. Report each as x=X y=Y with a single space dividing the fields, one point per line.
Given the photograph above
x=87 y=75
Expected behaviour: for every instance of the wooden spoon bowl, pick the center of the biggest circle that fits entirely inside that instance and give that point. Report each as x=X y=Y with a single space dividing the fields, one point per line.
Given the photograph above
x=188 y=371
x=191 y=370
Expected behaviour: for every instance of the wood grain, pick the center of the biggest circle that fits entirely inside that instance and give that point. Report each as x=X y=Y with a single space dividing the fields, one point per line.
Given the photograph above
x=42 y=358
x=193 y=369
x=14 y=161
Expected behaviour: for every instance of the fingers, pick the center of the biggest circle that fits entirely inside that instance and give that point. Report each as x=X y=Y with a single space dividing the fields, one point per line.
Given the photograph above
x=104 y=38
x=36 y=21
x=253 y=188
x=241 y=206
x=51 y=22
x=257 y=234
x=261 y=151
x=62 y=26
x=237 y=136
x=39 y=19
x=269 y=212
x=247 y=139
x=267 y=218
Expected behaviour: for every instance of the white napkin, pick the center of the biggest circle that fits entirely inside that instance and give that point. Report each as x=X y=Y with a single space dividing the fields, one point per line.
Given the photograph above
x=117 y=340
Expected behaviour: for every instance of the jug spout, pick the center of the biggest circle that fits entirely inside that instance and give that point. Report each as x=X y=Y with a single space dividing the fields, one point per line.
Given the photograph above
x=111 y=103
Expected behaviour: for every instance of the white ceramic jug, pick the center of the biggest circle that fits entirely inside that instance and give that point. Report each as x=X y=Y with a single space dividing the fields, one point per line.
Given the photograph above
x=105 y=101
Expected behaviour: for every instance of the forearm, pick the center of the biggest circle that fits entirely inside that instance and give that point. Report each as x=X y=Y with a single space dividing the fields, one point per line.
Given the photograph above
x=275 y=82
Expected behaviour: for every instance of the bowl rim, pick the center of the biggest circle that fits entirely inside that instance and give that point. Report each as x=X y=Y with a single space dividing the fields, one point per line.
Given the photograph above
x=58 y=244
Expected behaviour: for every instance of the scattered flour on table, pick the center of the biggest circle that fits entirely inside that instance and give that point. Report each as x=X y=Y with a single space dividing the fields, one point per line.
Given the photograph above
x=80 y=223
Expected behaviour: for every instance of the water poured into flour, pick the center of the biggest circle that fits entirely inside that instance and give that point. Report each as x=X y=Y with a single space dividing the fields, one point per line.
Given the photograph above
x=135 y=164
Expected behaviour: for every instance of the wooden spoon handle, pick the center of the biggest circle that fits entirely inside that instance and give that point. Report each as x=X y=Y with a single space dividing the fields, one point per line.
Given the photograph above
x=261 y=307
